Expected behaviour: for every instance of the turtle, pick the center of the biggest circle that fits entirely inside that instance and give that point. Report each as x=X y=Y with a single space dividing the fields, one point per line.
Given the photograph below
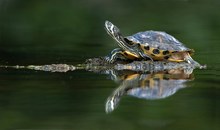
x=148 y=45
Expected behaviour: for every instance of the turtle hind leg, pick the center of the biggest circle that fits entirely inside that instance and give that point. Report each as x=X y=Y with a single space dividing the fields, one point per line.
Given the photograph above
x=190 y=60
x=114 y=55
x=184 y=56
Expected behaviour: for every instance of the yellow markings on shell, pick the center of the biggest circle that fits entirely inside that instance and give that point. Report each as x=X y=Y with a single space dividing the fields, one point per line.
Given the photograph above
x=158 y=56
x=174 y=60
x=130 y=55
x=170 y=55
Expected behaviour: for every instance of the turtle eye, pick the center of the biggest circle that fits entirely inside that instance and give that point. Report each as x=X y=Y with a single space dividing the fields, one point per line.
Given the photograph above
x=128 y=41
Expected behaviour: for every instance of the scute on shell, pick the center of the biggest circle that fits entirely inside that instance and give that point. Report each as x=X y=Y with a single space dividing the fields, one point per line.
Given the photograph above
x=157 y=39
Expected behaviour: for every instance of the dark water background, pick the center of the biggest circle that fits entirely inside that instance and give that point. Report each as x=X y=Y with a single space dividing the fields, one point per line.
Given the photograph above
x=70 y=31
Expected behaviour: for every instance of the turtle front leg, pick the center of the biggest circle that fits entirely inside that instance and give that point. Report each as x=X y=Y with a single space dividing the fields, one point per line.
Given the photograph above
x=141 y=52
x=115 y=54
x=145 y=56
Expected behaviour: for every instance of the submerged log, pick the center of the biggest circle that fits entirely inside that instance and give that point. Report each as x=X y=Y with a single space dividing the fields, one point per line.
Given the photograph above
x=100 y=65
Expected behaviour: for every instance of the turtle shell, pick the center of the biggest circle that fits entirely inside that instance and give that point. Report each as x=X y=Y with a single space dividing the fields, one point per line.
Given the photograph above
x=159 y=40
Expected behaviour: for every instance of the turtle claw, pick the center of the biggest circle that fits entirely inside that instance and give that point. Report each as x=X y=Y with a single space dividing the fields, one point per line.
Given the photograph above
x=109 y=60
x=115 y=54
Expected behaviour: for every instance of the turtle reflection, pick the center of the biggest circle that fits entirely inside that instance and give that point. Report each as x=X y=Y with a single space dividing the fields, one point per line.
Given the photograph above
x=158 y=85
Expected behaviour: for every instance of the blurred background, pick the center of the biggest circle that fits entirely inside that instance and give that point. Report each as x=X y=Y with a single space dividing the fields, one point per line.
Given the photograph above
x=39 y=32
x=70 y=31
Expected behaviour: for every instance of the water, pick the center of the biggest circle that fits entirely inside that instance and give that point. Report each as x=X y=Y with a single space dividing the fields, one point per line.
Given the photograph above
x=52 y=32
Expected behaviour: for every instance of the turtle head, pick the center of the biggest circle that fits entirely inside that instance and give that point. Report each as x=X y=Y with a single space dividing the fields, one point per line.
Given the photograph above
x=111 y=29
x=114 y=32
